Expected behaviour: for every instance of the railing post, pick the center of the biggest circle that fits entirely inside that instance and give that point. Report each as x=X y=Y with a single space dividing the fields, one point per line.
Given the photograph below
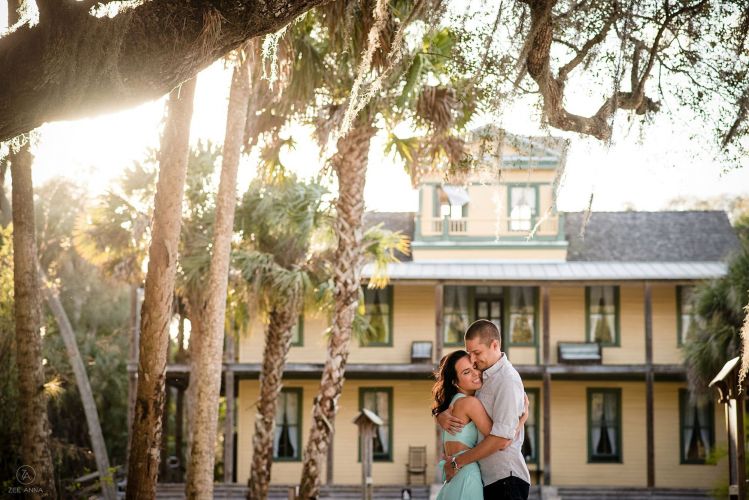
x=445 y=227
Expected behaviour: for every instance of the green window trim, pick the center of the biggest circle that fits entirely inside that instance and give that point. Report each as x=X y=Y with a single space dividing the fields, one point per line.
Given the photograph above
x=536 y=431
x=389 y=391
x=592 y=459
x=506 y=319
x=298 y=391
x=679 y=321
x=710 y=425
x=300 y=332
x=389 y=342
x=537 y=208
x=617 y=318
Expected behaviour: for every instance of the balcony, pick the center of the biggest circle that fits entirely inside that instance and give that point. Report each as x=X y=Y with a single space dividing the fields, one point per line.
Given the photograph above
x=489 y=228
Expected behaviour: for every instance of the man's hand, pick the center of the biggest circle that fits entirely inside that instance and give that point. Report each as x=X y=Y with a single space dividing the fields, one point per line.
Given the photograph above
x=449 y=423
x=449 y=471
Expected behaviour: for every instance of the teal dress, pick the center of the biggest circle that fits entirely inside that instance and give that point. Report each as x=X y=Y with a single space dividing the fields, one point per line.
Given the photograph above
x=466 y=484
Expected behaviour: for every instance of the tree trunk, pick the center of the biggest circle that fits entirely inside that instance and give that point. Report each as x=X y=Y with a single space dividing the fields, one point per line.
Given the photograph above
x=350 y=164
x=197 y=332
x=159 y=296
x=73 y=64
x=35 y=449
x=277 y=343
x=208 y=366
x=98 y=445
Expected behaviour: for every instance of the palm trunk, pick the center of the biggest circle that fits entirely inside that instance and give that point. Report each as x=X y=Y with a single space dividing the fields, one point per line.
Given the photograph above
x=35 y=449
x=84 y=388
x=350 y=163
x=156 y=315
x=197 y=331
x=208 y=366
x=277 y=343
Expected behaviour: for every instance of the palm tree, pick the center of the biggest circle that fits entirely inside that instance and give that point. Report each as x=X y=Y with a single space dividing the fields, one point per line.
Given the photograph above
x=206 y=375
x=159 y=295
x=276 y=221
x=371 y=41
x=35 y=449
x=720 y=310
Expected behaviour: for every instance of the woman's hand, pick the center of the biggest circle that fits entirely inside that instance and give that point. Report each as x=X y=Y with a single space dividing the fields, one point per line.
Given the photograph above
x=449 y=423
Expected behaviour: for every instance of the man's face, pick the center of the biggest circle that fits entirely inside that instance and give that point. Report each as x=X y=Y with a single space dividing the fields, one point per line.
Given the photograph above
x=482 y=355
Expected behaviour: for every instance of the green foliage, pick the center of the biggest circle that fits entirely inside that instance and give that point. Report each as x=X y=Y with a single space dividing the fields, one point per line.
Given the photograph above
x=98 y=311
x=719 y=306
x=10 y=430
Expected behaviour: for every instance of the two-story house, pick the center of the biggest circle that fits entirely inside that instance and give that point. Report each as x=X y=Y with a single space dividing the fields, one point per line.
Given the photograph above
x=593 y=310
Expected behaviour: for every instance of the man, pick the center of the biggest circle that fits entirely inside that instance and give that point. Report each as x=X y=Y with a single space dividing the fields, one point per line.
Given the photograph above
x=503 y=469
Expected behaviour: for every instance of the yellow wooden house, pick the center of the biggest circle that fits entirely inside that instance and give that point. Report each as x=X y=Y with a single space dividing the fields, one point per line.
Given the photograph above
x=593 y=310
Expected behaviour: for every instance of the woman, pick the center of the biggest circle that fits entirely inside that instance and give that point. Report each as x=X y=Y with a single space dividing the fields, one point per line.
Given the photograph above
x=457 y=382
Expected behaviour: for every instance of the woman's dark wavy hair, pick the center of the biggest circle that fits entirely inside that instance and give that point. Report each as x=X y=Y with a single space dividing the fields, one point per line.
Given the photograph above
x=446 y=377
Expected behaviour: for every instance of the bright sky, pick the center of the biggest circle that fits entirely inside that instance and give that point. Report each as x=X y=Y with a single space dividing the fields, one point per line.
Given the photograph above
x=643 y=171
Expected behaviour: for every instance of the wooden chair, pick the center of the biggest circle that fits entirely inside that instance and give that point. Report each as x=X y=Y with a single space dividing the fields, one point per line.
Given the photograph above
x=417 y=463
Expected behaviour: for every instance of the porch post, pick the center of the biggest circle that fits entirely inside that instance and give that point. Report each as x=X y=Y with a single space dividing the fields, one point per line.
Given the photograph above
x=546 y=385
x=649 y=379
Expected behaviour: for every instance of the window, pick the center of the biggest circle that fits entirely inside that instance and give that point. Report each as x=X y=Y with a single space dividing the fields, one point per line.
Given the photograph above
x=489 y=304
x=380 y=401
x=464 y=304
x=602 y=304
x=522 y=303
x=530 y=442
x=685 y=320
x=696 y=429
x=458 y=309
x=378 y=304
x=523 y=201
x=604 y=425
x=451 y=201
x=297 y=332
x=287 y=441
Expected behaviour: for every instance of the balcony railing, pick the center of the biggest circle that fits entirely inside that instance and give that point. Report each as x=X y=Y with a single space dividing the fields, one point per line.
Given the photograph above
x=495 y=226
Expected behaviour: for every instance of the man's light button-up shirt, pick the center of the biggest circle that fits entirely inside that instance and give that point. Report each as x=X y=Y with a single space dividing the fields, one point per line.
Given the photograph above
x=503 y=397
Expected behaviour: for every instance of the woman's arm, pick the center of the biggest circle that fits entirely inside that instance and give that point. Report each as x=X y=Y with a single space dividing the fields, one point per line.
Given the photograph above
x=524 y=416
x=476 y=412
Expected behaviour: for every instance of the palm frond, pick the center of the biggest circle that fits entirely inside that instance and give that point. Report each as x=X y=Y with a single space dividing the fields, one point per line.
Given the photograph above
x=380 y=247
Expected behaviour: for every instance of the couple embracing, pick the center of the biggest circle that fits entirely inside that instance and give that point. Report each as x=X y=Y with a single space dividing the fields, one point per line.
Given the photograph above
x=480 y=404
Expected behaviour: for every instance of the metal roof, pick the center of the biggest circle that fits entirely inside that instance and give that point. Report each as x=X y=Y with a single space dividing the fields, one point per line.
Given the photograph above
x=550 y=271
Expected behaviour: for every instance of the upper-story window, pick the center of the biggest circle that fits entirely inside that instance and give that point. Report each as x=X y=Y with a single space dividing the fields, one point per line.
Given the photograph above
x=602 y=305
x=523 y=202
x=458 y=302
x=684 y=313
x=378 y=308
x=512 y=309
x=522 y=302
x=452 y=202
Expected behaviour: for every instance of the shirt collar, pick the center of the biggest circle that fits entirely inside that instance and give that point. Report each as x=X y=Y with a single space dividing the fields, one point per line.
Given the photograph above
x=496 y=367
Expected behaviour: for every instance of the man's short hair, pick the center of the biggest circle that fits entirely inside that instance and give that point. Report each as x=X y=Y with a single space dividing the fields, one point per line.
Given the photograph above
x=484 y=330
